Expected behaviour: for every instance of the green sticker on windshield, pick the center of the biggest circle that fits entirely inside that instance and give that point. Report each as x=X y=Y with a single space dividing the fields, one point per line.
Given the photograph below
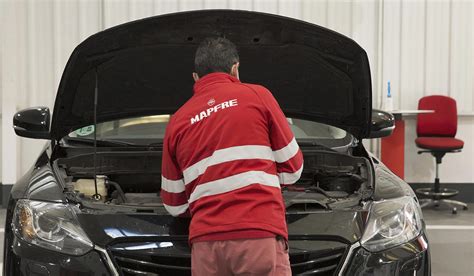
x=88 y=130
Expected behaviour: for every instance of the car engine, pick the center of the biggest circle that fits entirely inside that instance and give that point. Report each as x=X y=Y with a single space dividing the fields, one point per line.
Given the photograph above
x=329 y=178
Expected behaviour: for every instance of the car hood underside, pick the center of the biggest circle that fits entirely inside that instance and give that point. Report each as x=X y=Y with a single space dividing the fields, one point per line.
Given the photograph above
x=144 y=67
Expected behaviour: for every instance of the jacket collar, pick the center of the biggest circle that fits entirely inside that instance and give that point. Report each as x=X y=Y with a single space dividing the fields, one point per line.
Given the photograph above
x=212 y=78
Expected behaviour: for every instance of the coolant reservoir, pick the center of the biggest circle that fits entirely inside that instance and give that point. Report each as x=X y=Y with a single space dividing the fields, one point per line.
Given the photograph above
x=87 y=187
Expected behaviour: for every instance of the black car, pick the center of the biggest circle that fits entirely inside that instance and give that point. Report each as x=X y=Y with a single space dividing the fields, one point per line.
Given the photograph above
x=90 y=204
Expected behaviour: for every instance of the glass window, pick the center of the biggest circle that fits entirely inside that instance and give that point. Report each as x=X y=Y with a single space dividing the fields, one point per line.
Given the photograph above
x=151 y=129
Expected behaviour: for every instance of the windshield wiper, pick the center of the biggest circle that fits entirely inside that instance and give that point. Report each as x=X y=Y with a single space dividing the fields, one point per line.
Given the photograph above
x=102 y=143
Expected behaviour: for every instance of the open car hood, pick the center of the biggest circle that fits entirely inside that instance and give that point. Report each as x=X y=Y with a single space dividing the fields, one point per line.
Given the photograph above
x=144 y=67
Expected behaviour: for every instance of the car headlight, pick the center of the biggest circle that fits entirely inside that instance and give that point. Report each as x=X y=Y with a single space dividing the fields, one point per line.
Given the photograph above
x=392 y=222
x=50 y=225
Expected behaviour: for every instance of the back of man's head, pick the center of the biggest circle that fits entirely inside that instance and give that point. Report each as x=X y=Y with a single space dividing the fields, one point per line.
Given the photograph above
x=215 y=54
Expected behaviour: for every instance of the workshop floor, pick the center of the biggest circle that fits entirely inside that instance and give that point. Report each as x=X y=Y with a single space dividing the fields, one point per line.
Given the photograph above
x=451 y=238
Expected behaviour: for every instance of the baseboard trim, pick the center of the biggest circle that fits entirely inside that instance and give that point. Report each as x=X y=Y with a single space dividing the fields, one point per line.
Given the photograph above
x=466 y=190
x=5 y=190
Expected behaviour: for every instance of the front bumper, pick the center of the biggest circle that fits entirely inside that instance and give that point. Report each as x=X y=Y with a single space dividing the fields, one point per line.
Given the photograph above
x=411 y=258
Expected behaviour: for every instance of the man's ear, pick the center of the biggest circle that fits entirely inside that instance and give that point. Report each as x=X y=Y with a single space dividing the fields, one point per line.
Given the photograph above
x=234 y=71
x=195 y=76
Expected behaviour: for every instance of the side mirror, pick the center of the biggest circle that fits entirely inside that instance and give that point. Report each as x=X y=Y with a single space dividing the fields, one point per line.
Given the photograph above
x=32 y=123
x=383 y=124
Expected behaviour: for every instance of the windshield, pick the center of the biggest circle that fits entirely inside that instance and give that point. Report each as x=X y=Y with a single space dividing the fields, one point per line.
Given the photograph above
x=151 y=130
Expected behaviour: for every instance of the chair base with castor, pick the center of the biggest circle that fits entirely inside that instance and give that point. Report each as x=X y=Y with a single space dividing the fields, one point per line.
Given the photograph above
x=438 y=196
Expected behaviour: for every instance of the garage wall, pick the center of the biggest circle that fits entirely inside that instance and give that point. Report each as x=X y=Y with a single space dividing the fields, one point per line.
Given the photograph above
x=422 y=47
x=1 y=159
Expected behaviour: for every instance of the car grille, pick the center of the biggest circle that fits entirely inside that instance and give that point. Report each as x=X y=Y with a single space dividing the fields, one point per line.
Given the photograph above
x=165 y=266
x=304 y=261
x=320 y=264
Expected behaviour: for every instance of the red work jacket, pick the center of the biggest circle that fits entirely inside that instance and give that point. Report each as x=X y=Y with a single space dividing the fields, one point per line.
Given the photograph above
x=225 y=153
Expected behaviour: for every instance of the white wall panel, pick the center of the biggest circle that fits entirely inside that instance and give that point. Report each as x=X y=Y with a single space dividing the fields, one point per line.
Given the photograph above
x=422 y=47
x=215 y=4
x=315 y=11
x=40 y=42
x=241 y=4
x=1 y=139
x=462 y=55
x=291 y=8
x=365 y=32
x=339 y=16
x=391 y=37
x=437 y=47
x=40 y=75
x=90 y=18
x=165 y=6
x=66 y=35
x=187 y=5
x=412 y=62
x=11 y=70
x=15 y=56
x=269 y=6
x=456 y=167
x=115 y=12
x=141 y=9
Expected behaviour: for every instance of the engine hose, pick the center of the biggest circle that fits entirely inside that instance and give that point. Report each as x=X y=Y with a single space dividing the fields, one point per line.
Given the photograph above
x=118 y=189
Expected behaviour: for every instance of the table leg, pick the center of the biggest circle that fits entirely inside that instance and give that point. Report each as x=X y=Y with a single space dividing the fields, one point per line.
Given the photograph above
x=393 y=150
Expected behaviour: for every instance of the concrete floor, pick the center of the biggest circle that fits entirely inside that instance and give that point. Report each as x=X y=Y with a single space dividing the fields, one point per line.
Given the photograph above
x=451 y=238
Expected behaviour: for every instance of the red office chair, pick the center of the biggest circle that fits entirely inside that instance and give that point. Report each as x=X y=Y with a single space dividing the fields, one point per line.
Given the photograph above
x=436 y=132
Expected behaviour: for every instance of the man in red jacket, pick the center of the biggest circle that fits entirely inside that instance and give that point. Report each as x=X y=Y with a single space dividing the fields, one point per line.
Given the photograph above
x=225 y=154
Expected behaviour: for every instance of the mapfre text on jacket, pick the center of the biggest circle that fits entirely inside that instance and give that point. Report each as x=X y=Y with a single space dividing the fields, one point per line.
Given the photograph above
x=208 y=112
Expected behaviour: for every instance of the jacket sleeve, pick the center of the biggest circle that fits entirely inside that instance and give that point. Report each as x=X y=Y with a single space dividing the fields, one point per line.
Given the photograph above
x=173 y=192
x=286 y=151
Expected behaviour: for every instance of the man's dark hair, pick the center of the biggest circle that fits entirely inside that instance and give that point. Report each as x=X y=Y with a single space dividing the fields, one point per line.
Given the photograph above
x=215 y=54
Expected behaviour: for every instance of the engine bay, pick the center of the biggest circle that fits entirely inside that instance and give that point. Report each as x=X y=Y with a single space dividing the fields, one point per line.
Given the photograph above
x=126 y=179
